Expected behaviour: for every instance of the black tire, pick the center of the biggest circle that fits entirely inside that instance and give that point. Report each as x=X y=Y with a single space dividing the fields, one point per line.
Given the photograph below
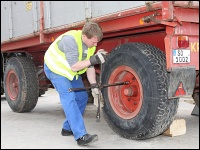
x=140 y=110
x=21 y=84
x=43 y=87
x=41 y=92
x=2 y=90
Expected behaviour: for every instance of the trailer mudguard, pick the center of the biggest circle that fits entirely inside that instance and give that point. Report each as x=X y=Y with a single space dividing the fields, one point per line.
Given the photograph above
x=182 y=82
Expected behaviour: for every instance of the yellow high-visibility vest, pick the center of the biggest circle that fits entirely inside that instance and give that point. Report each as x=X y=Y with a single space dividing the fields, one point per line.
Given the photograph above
x=56 y=60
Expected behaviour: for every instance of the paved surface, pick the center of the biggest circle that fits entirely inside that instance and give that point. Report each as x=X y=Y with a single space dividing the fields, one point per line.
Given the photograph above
x=40 y=129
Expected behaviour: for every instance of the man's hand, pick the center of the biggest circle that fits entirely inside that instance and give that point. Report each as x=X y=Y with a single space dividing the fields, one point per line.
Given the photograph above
x=99 y=57
x=96 y=88
x=96 y=91
x=102 y=51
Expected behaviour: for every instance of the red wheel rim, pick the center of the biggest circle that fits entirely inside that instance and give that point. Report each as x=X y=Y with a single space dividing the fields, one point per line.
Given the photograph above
x=126 y=100
x=12 y=85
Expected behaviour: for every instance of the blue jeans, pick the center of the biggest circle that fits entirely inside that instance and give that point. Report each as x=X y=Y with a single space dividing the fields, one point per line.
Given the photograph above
x=73 y=103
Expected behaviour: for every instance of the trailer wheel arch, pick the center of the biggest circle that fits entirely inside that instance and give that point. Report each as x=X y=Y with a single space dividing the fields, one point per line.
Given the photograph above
x=21 y=84
x=147 y=65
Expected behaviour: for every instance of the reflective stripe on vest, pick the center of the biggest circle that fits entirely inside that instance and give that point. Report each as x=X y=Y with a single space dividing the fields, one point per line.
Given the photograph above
x=56 y=60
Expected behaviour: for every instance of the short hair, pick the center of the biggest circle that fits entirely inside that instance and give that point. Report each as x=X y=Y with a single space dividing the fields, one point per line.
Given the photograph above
x=91 y=29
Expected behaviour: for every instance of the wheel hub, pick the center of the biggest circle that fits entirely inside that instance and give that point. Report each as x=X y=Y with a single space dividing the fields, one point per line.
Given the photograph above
x=12 y=85
x=126 y=100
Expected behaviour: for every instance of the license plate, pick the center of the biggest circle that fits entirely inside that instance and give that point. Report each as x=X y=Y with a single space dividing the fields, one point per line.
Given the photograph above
x=181 y=56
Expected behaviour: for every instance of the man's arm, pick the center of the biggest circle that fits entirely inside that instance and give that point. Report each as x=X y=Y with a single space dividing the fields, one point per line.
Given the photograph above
x=80 y=65
x=98 y=58
x=91 y=75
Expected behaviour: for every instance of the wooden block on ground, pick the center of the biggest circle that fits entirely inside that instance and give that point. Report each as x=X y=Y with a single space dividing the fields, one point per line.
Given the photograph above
x=178 y=127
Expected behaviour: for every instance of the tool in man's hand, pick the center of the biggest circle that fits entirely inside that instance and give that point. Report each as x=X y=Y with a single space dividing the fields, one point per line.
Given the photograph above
x=99 y=97
x=97 y=86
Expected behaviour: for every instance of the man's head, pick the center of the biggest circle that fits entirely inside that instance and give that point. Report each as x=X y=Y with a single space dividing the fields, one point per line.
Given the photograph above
x=92 y=34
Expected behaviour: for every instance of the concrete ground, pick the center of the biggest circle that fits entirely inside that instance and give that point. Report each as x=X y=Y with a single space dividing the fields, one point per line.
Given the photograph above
x=40 y=128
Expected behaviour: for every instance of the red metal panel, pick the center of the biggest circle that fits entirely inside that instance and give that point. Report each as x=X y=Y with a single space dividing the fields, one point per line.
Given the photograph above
x=41 y=22
x=187 y=28
x=168 y=51
x=194 y=52
x=125 y=23
x=171 y=44
x=26 y=42
x=167 y=10
x=187 y=14
x=154 y=38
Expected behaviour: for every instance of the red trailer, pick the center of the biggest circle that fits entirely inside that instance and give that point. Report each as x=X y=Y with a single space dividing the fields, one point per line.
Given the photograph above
x=152 y=45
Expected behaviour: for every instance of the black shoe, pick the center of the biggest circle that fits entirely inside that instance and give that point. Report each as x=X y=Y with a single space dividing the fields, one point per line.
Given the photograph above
x=66 y=132
x=86 y=139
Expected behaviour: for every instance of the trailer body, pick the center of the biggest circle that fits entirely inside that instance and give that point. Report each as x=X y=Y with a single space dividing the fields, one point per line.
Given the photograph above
x=156 y=44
